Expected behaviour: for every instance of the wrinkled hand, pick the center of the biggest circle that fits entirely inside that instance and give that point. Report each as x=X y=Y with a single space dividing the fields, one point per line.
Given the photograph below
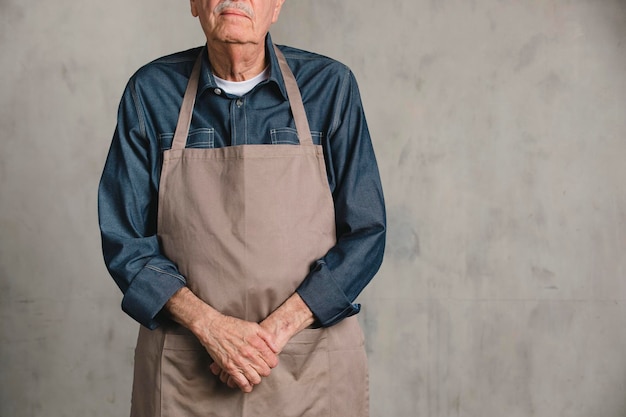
x=243 y=351
x=280 y=342
x=285 y=322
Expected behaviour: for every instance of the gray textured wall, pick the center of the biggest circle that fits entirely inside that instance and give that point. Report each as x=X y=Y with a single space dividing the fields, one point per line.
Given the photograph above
x=500 y=128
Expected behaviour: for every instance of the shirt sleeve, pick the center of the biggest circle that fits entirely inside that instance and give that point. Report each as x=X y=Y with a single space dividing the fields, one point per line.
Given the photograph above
x=337 y=279
x=127 y=207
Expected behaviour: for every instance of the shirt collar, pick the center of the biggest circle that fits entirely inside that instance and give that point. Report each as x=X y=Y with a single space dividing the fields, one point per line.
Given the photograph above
x=207 y=80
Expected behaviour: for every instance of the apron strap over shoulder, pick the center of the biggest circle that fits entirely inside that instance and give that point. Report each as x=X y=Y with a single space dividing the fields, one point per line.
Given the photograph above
x=293 y=94
x=295 y=100
x=186 y=110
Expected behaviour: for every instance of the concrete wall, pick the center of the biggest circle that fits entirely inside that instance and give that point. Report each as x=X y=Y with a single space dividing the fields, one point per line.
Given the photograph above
x=500 y=128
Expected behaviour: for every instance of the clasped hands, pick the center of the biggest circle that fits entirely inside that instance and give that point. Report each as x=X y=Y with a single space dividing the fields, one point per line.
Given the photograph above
x=243 y=352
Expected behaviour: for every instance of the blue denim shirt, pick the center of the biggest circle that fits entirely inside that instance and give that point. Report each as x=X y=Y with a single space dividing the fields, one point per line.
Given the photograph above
x=148 y=112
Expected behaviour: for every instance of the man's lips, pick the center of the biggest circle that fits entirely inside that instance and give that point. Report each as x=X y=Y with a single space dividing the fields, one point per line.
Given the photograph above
x=234 y=12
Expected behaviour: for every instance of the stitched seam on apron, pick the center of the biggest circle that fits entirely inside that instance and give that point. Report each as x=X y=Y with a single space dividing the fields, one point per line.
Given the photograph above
x=234 y=157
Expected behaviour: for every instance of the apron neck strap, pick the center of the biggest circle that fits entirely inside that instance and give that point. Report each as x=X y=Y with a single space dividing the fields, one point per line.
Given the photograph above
x=295 y=100
x=186 y=110
x=293 y=95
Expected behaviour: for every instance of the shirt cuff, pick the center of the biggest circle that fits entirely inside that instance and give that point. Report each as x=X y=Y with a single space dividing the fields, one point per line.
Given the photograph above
x=321 y=293
x=148 y=293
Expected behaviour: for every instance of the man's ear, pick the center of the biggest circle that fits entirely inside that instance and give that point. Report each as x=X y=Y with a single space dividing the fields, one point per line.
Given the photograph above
x=194 y=8
x=279 y=5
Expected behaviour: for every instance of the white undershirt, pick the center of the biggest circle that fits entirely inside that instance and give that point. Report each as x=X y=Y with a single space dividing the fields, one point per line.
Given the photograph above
x=239 y=88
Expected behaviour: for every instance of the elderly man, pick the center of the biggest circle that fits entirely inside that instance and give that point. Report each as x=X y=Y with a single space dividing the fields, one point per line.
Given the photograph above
x=241 y=214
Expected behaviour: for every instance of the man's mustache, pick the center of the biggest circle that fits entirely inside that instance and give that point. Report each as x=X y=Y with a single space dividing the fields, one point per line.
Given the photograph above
x=229 y=4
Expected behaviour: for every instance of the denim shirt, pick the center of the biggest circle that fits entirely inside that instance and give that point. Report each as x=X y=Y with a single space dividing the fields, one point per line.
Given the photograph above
x=148 y=112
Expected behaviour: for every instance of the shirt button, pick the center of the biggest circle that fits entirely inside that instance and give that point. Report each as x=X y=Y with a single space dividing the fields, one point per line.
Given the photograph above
x=239 y=102
x=217 y=91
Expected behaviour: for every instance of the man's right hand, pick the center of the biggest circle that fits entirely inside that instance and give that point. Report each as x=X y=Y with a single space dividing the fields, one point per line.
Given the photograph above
x=243 y=349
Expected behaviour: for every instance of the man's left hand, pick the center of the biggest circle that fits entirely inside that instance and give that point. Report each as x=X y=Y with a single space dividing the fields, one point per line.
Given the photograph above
x=284 y=323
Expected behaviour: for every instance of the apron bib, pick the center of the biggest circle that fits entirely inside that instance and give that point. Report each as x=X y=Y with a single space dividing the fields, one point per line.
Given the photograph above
x=244 y=224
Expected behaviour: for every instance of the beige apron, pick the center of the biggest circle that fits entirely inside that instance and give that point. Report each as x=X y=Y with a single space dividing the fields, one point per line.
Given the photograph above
x=244 y=224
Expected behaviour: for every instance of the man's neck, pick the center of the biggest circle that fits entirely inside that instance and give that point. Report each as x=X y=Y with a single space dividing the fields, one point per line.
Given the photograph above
x=237 y=62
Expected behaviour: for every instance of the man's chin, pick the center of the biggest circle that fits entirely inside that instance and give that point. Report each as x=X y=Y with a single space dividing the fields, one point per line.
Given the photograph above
x=236 y=37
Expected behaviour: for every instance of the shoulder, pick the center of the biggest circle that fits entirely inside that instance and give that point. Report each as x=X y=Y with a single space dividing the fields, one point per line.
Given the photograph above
x=316 y=73
x=173 y=68
x=300 y=59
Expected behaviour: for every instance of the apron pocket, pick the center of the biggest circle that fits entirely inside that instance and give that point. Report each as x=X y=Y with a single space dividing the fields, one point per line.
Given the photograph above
x=188 y=386
x=348 y=361
x=299 y=385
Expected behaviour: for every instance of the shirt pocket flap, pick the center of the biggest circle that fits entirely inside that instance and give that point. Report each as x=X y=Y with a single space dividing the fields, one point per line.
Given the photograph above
x=289 y=136
x=197 y=138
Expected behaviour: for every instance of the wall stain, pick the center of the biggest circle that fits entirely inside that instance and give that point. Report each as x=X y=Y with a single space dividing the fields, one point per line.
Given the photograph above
x=402 y=237
x=67 y=77
x=528 y=53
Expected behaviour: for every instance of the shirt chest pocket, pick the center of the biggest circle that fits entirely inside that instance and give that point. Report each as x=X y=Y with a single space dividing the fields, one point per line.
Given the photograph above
x=289 y=136
x=198 y=138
